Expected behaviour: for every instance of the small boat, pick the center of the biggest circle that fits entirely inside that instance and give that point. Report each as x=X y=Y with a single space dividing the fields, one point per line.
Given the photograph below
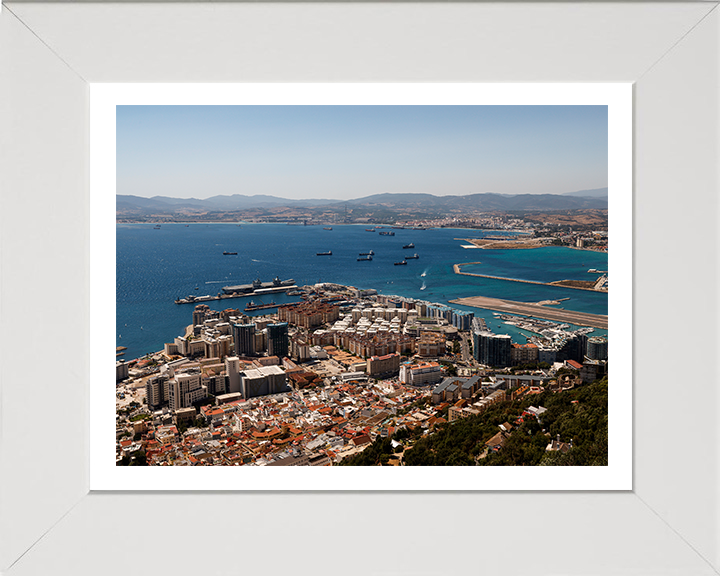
x=411 y=245
x=328 y=228
x=369 y=229
x=387 y=233
x=229 y=253
x=402 y=263
x=328 y=253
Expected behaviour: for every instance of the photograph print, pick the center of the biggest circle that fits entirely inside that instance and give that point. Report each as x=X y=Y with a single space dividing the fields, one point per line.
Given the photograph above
x=351 y=285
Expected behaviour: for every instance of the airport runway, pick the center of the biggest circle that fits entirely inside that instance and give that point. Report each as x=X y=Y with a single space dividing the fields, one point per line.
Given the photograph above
x=522 y=308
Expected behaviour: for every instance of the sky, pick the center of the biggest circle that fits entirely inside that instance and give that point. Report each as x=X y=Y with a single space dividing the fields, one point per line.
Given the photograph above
x=346 y=152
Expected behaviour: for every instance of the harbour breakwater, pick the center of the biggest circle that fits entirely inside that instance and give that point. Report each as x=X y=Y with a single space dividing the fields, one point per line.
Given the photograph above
x=574 y=284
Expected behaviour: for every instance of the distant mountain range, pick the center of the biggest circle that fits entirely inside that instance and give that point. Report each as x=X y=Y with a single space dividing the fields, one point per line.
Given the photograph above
x=131 y=206
x=594 y=193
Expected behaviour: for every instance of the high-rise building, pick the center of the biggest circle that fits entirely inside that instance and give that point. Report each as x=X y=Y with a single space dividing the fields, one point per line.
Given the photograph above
x=217 y=384
x=263 y=381
x=200 y=313
x=232 y=368
x=277 y=339
x=185 y=389
x=462 y=320
x=571 y=348
x=597 y=348
x=244 y=338
x=492 y=349
x=156 y=391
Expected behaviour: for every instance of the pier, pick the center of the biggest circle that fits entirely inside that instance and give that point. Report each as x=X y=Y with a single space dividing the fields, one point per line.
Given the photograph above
x=536 y=310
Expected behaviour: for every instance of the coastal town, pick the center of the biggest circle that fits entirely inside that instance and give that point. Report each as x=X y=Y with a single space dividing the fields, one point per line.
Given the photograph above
x=348 y=371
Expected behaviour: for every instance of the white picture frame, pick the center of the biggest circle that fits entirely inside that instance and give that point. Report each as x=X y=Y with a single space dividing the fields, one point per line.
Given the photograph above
x=105 y=475
x=666 y=525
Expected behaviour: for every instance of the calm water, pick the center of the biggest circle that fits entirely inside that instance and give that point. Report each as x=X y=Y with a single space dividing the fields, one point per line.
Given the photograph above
x=154 y=267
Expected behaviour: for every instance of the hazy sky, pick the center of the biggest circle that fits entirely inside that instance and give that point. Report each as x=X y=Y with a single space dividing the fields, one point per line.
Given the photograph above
x=347 y=152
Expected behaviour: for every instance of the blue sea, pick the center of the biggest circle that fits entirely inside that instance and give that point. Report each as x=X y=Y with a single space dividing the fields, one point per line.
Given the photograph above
x=156 y=266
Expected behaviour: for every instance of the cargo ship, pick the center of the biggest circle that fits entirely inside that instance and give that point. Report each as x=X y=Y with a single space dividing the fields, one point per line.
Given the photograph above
x=368 y=257
x=229 y=253
x=413 y=257
x=328 y=253
x=411 y=245
x=371 y=253
x=402 y=263
x=386 y=233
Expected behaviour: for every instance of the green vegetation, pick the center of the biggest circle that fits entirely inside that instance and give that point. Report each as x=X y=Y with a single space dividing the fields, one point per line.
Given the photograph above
x=585 y=423
x=142 y=416
x=137 y=459
x=377 y=453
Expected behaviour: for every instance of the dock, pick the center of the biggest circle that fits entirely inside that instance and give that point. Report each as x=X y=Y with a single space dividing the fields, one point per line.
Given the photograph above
x=536 y=310
x=200 y=299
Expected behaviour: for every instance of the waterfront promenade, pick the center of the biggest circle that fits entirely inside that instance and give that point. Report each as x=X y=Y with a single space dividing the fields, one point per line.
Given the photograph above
x=536 y=310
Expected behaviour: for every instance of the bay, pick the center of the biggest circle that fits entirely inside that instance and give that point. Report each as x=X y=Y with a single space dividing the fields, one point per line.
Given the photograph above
x=154 y=266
